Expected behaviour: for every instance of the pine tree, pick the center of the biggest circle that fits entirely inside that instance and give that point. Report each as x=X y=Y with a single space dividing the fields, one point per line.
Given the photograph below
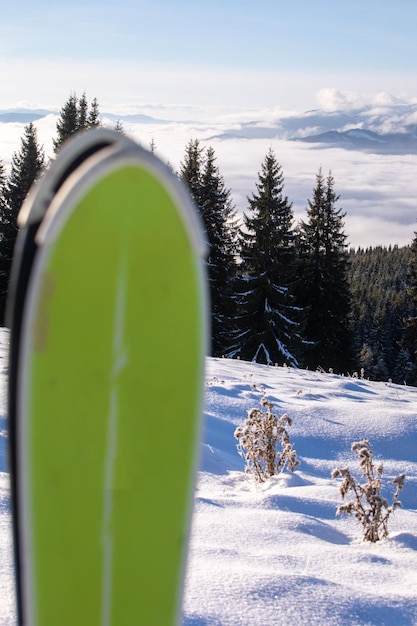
x=269 y=320
x=191 y=169
x=27 y=165
x=219 y=218
x=323 y=288
x=4 y=253
x=201 y=175
x=75 y=115
x=2 y=184
x=82 y=112
x=93 y=119
x=68 y=122
x=119 y=127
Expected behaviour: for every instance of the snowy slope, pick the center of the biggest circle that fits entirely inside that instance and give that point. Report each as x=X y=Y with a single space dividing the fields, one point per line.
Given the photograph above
x=7 y=605
x=276 y=554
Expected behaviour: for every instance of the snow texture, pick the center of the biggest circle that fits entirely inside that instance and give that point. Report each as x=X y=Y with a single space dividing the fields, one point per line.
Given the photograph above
x=276 y=553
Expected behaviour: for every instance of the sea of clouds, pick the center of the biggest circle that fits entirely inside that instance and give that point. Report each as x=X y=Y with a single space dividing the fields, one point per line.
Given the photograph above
x=377 y=191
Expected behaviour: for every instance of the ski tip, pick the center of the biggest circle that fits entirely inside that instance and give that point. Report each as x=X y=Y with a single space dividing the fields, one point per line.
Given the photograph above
x=70 y=156
x=90 y=155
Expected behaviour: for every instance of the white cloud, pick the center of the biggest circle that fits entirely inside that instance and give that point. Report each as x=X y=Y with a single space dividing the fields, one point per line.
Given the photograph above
x=332 y=99
x=378 y=192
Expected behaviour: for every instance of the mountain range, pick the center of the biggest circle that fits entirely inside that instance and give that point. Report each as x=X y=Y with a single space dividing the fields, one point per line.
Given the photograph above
x=25 y=116
x=367 y=140
x=388 y=129
x=22 y=116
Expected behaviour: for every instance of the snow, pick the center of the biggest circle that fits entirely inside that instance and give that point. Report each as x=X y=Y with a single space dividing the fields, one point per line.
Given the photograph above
x=276 y=553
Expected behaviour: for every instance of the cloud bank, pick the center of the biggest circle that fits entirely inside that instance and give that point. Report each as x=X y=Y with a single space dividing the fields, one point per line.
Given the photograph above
x=378 y=192
x=331 y=99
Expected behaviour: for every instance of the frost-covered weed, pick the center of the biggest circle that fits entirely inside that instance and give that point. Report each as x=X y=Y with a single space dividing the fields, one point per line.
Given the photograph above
x=258 y=440
x=369 y=508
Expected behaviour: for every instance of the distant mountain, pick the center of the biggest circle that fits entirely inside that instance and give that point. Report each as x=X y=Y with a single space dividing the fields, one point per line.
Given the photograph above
x=135 y=118
x=360 y=139
x=390 y=129
x=23 y=116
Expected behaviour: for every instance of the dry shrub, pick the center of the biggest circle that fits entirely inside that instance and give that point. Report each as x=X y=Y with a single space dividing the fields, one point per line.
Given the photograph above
x=369 y=508
x=258 y=440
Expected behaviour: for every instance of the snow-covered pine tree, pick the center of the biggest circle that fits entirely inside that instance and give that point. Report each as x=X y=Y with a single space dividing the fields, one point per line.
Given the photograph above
x=4 y=262
x=323 y=288
x=219 y=218
x=3 y=179
x=201 y=175
x=269 y=318
x=27 y=165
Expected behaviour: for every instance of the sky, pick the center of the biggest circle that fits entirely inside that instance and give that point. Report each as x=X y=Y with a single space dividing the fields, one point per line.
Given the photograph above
x=235 y=53
x=222 y=63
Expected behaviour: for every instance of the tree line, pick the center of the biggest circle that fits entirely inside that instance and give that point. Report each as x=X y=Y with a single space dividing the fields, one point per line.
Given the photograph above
x=280 y=292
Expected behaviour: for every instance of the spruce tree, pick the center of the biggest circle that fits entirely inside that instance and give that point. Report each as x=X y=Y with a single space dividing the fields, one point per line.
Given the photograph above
x=74 y=116
x=4 y=253
x=68 y=122
x=82 y=112
x=201 y=175
x=27 y=165
x=3 y=179
x=269 y=319
x=191 y=169
x=323 y=287
x=219 y=218
x=93 y=119
x=119 y=127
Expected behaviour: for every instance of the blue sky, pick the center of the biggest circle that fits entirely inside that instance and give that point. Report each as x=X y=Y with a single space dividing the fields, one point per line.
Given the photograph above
x=252 y=53
x=216 y=63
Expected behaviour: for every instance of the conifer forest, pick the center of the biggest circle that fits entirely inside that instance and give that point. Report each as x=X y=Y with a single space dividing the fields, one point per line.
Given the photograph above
x=280 y=292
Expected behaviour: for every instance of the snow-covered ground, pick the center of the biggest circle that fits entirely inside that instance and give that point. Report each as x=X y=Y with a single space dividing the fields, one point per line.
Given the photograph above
x=276 y=553
x=7 y=600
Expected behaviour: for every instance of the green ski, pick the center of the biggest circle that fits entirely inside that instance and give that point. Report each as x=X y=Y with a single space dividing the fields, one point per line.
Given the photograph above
x=108 y=394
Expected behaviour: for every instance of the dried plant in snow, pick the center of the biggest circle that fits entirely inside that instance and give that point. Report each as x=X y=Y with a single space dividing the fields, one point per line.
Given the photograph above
x=258 y=440
x=368 y=506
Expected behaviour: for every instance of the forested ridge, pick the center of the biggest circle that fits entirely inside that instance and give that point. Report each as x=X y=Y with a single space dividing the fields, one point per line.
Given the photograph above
x=382 y=308
x=280 y=291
